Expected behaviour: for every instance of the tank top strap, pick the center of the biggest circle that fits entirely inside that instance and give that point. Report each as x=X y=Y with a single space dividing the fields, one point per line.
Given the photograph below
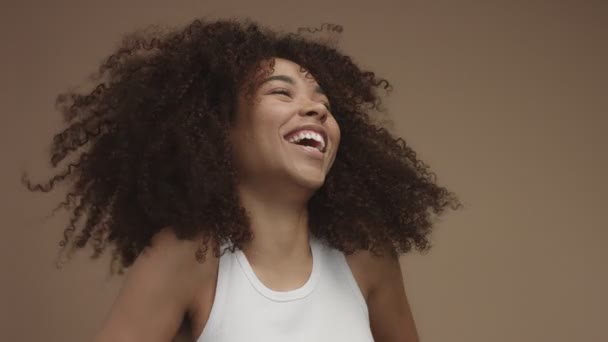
x=336 y=264
x=226 y=263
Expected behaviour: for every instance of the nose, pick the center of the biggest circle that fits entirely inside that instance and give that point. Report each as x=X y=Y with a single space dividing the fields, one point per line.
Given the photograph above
x=315 y=109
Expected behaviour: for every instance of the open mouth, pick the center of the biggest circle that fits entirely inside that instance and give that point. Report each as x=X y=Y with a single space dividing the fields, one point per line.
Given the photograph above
x=308 y=138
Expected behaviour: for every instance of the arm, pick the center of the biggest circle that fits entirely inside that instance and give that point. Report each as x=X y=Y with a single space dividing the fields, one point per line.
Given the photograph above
x=156 y=294
x=391 y=319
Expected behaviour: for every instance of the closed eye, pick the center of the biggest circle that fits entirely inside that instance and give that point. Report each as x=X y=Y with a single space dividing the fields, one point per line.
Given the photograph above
x=288 y=94
x=282 y=92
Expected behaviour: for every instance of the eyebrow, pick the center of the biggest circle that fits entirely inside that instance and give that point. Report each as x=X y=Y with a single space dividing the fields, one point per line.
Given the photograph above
x=290 y=80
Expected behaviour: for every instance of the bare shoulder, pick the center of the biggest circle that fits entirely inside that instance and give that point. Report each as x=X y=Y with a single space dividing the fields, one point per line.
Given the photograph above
x=177 y=257
x=390 y=314
x=165 y=245
x=198 y=279
x=158 y=291
x=368 y=269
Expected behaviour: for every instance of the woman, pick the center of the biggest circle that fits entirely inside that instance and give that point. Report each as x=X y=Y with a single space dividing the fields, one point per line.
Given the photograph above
x=260 y=146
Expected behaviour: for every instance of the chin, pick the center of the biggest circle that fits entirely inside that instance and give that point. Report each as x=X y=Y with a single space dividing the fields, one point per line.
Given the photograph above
x=311 y=182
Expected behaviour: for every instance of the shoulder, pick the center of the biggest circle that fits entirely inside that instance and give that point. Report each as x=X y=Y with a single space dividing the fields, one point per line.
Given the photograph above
x=171 y=258
x=179 y=258
x=390 y=314
x=158 y=290
x=369 y=269
x=166 y=247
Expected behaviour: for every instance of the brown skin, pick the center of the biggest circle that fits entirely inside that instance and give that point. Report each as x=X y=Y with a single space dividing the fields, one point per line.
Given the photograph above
x=152 y=149
x=148 y=296
x=381 y=282
x=157 y=292
x=379 y=278
x=277 y=178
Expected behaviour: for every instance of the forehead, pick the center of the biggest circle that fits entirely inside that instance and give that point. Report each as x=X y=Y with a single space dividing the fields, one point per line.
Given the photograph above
x=286 y=67
x=290 y=72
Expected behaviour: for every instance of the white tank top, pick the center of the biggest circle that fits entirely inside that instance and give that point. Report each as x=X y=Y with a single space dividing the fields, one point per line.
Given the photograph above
x=328 y=307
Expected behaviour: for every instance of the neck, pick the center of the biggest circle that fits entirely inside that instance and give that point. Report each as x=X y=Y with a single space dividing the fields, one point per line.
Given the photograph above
x=279 y=223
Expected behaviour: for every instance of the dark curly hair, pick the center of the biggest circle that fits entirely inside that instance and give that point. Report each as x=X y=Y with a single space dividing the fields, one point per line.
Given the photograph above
x=155 y=130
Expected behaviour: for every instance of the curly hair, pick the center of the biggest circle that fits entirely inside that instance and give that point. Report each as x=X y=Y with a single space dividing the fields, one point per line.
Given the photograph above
x=154 y=148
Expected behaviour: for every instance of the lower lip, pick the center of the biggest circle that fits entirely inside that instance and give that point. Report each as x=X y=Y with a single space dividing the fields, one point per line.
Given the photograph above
x=312 y=152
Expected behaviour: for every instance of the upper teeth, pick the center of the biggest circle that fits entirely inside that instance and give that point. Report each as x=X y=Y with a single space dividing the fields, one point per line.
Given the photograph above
x=308 y=135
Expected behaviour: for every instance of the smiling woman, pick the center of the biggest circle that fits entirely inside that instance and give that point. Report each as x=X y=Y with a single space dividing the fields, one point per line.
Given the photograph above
x=288 y=105
x=262 y=147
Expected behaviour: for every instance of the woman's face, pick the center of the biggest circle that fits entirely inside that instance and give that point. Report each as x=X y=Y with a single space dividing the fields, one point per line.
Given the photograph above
x=286 y=133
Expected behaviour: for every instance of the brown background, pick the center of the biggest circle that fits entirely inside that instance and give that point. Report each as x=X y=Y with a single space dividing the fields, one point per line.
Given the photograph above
x=505 y=100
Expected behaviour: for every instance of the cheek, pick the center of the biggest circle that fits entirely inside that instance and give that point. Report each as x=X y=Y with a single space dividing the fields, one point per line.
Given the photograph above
x=255 y=127
x=335 y=131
